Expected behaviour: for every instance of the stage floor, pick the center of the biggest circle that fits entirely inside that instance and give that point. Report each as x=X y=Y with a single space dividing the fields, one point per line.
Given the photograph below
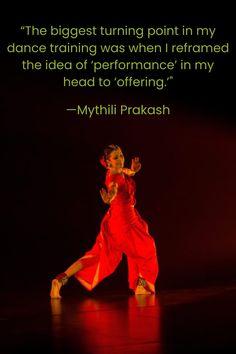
x=201 y=320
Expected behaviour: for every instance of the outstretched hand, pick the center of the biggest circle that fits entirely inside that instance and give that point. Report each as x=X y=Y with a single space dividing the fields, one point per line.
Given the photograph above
x=136 y=165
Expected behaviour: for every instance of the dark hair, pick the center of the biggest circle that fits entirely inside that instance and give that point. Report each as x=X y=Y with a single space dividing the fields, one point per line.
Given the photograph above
x=107 y=152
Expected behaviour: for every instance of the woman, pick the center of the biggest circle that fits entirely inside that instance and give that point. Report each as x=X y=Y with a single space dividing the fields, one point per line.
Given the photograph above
x=122 y=230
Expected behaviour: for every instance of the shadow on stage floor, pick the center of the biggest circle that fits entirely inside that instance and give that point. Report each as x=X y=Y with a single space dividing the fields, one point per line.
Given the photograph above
x=200 y=320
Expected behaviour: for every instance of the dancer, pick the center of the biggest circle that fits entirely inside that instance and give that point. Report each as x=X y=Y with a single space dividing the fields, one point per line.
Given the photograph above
x=122 y=231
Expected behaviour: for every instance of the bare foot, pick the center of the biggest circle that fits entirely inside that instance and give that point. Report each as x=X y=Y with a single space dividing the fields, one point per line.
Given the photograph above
x=55 y=289
x=140 y=290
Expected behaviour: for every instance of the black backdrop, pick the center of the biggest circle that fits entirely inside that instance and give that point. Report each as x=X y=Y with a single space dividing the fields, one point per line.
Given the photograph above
x=185 y=191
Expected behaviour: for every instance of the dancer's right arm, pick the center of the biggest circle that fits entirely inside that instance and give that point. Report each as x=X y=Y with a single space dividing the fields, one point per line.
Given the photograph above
x=107 y=197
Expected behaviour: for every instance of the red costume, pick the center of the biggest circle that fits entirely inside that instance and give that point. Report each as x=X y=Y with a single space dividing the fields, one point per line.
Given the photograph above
x=122 y=231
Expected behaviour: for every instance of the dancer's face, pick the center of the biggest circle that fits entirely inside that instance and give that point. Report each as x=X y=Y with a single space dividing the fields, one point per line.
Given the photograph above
x=116 y=161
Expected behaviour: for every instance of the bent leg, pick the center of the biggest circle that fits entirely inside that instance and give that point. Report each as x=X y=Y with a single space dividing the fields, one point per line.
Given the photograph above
x=62 y=278
x=141 y=252
x=98 y=264
x=92 y=268
x=142 y=273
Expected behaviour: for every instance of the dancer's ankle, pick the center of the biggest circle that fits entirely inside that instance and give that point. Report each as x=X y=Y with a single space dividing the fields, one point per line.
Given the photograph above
x=142 y=282
x=62 y=278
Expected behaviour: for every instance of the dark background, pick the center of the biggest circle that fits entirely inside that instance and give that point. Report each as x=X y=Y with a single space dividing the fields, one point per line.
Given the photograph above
x=185 y=191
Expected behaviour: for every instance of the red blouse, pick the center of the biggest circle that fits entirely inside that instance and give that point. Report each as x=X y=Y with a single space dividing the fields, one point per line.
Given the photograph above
x=126 y=189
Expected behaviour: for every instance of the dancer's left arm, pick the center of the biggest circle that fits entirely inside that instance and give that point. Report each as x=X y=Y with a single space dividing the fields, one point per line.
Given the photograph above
x=135 y=167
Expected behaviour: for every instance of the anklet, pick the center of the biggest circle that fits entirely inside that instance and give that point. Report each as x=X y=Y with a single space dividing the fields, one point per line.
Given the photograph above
x=142 y=282
x=62 y=278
